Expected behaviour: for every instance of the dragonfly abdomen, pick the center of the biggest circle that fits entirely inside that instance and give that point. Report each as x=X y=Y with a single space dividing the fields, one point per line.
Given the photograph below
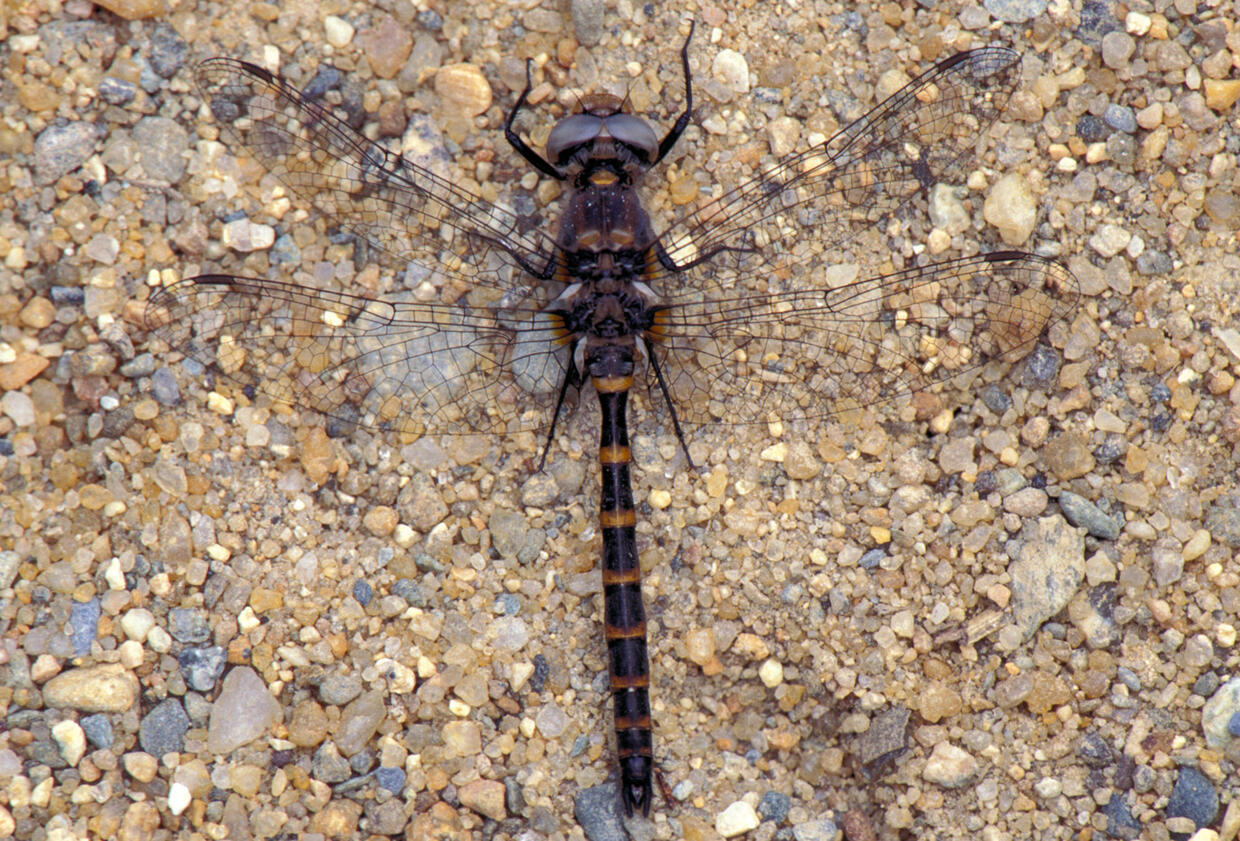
x=624 y=615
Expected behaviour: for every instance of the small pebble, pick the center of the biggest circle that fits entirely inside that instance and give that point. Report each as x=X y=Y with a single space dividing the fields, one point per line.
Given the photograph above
x=1010 y=207
x=1081 y=512
x=949 y=766
x=486 y=797
x=245 y=236
x=463 y=88
x=771 y=673
x=72 y=740
x=1219 y=712
x=731 y=70
x=162 y=730
x=1194 y=797
x=339 y=31
x=179 y=798
x=242 y=711
x=736 y=819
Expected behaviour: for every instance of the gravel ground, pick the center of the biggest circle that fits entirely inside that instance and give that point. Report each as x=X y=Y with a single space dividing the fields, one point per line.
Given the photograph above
x=1016 y=619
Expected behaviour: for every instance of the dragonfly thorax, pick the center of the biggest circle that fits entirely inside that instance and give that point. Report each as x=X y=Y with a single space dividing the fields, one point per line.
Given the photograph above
x=606 y=309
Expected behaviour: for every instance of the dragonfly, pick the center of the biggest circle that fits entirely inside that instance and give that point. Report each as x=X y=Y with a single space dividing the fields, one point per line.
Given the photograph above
x=731 y=314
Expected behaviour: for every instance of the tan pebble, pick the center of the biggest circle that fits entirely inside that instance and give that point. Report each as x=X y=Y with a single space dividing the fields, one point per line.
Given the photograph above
x=146 y=409
x=717 y=482
x=949 y=766
x=683 y=190
x=1151 y=116
x=1011 y=208
x=380 y=520
x=44 y=668
x=942 y=422
x=24 y=368
x=700 y=646
x=104 y=688
x=404 y=536
x=130 y=654
x=462 y=738
x=1160 y=611
x=938 y=702
x=1137 y=23
x=38 y=313
x=775 y=452
x=317 y=458
x=771 y=673
x=999 y=594
x=874 y=443
x=135 y=9
x=245 y=779
x=830 y=453
x=219 y=404
x=338 y=31
x=800 y=463
x=738 y=819
x=1196 y=545
x=486 y=797
x=308 y=726
x=1221 y=94
x=387 y=46
x=1225 y=633
x=264 y=600
x=463 y=88
x=880 y=535
x=660 y=498
x=140 y=765
x=93 y=497
x=751 y=646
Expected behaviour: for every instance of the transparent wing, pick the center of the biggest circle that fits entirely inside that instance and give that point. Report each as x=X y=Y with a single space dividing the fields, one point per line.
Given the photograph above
x=397 y=364
x=403 y=210
x=805 y=355
x=800 y=211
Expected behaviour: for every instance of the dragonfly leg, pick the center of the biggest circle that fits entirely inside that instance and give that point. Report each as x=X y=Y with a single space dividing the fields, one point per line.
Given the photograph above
x=667 y=398
x=514 y=140
x=682 y=122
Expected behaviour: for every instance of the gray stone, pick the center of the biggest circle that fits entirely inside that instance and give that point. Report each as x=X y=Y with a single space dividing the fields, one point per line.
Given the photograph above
x=1015 y=11
x=163 y=728
x=161 y=144
x=1048 y=569
x=242 y=712
x=1081 y=512
x=61 y=148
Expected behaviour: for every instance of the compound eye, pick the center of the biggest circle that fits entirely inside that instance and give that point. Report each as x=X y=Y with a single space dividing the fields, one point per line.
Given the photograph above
x=635 y=133
x=571 y=132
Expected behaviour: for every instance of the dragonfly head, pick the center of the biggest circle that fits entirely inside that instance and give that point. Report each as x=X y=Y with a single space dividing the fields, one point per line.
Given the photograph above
x=602 y=130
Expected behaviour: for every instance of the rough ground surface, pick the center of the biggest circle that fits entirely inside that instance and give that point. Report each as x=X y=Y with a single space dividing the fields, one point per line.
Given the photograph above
x=1016 y=619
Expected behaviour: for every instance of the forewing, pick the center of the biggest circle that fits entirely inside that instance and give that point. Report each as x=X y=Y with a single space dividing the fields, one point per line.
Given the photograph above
x=806 y=355
x=402 y=209
x=411 y=367
x=800 y=211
